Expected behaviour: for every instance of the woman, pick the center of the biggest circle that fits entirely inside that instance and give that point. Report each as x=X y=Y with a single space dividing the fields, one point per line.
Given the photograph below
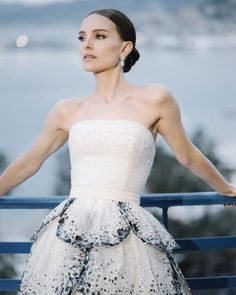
x=100 y=240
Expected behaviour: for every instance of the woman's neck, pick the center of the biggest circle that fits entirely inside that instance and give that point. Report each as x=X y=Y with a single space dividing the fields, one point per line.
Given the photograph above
x=110 y=85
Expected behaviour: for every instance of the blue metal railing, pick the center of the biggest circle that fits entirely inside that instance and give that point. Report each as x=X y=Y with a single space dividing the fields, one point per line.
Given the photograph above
x=163 y=201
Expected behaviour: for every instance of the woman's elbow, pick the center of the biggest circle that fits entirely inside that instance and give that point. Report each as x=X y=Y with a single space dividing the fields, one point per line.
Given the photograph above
x=184 y=160
x=31 y=162
x=189 y=156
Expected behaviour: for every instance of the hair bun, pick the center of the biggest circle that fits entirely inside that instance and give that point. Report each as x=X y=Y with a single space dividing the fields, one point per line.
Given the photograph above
x=136 y=54
x=131 y=60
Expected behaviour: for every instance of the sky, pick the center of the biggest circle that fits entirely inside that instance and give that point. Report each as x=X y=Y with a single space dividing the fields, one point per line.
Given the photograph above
x=33 y=2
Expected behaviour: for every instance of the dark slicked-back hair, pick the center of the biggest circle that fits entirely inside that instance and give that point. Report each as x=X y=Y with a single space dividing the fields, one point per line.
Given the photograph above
x=126 y=31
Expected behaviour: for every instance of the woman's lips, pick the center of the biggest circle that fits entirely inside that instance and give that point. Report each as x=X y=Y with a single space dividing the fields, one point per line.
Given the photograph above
x=89 y=57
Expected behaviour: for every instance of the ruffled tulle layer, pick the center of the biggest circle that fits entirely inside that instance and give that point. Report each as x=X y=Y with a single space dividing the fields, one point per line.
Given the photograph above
x=102 y=247
x=89 y=223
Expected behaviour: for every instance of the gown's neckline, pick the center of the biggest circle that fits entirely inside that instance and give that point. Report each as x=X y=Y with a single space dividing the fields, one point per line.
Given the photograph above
x=148 y=132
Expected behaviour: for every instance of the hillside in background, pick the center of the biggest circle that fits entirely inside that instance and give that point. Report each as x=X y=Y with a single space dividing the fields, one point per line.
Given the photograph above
x=165 y=23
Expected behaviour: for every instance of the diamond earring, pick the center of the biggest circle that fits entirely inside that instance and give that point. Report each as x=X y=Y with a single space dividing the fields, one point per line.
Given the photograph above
x=122 y=63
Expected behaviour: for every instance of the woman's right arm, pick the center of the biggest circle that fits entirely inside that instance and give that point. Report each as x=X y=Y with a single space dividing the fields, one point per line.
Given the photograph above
x=51 y=138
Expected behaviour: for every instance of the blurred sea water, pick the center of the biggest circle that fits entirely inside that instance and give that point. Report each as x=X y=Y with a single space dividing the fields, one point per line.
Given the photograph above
x=203 y=82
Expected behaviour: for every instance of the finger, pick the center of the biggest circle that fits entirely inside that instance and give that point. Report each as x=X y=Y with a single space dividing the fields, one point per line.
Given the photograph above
x=229 y=205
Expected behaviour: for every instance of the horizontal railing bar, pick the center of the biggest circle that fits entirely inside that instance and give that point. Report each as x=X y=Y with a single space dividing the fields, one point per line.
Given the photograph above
x=207 y=243
x=9 y=285
x=30 y=202
x=147 y=200
x=201 y=283
x=207 y=283
x=186 y=244
x=184 y=199
x=15 y=247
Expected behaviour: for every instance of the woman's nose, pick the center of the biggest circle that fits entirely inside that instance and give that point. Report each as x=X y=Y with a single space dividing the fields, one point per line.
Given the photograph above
x=88 y=43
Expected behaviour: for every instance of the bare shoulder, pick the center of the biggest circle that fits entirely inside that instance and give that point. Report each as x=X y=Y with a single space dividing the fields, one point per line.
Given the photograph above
x=65 y=105
x=64 y=109
x=164 y=102
x=159 y=93
x=61 y=112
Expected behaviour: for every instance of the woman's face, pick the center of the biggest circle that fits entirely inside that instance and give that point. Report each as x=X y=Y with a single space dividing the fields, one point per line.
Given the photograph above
x=98 y=37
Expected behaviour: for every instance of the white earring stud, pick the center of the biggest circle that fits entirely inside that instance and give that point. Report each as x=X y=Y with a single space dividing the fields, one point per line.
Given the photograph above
x=122 y=63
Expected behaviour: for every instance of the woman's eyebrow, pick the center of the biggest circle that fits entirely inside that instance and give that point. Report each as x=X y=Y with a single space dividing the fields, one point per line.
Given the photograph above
x=95 y=30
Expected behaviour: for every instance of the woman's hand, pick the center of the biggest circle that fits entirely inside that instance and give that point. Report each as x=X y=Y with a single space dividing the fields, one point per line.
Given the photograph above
x=231 y=192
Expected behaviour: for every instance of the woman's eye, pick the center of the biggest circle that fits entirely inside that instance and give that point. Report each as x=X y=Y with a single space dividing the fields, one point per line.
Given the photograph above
x=100 y=36
x=80 y=38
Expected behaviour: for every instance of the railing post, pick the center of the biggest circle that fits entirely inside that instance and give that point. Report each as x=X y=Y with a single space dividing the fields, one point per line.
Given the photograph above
x=165 y=216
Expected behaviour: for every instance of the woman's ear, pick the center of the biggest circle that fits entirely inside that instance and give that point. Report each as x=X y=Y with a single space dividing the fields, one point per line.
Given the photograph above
x=127 y=47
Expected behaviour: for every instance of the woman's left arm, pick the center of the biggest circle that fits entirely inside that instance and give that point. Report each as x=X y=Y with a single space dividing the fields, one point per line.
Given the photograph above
x=171 y=129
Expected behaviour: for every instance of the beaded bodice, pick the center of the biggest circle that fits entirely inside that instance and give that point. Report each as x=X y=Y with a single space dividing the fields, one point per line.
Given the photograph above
x=110 y=158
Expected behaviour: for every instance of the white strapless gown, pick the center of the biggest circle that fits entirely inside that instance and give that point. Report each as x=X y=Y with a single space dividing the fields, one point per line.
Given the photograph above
x=100 y=240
